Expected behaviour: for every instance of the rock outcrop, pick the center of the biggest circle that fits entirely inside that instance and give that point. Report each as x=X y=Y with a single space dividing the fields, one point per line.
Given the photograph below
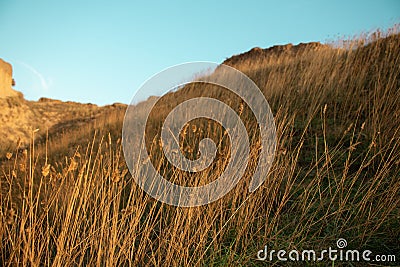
x=6 y=80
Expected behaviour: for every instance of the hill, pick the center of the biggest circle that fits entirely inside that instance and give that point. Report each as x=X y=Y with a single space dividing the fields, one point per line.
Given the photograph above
x=336 y=173
x=47 y=117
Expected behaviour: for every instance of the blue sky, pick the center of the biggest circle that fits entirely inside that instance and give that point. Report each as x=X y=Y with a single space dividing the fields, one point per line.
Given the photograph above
x=102 y=51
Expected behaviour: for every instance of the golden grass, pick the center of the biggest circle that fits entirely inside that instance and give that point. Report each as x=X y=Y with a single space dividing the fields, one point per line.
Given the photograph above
x=336 y=174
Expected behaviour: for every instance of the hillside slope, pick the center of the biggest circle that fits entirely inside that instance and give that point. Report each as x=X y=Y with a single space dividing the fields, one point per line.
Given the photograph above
x=335 y=176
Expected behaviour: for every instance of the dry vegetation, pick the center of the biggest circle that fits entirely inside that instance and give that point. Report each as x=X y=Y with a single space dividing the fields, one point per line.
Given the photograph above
x=70 y=201
x=19 y=117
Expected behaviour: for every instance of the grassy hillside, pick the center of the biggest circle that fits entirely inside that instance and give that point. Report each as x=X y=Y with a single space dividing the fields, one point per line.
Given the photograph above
x=336 y=174
x=19 y=117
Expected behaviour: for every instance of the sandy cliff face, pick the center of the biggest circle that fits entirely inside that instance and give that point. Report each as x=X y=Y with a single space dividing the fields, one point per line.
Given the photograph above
x=6 y=80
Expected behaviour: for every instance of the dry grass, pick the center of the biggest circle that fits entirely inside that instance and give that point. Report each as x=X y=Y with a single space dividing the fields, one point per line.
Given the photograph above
x=336 y=174
x=19 y=117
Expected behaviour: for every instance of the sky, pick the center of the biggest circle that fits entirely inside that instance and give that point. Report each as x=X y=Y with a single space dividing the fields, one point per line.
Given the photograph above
x=103 y=51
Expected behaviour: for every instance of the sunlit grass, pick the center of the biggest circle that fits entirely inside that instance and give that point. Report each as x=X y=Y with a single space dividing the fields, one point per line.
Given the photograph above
x=70 y=200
